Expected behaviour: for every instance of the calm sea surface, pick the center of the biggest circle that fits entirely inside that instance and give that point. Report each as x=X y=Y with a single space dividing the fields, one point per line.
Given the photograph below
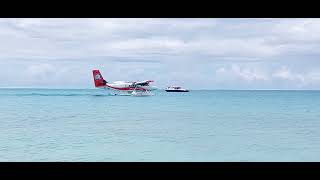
x=90 y=125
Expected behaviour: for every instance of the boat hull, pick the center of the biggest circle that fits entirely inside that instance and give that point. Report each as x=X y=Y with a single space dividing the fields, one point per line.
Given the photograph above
x=177 y=90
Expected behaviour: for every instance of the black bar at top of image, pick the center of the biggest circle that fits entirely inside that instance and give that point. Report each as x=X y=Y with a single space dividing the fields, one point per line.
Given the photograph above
x=159 y=9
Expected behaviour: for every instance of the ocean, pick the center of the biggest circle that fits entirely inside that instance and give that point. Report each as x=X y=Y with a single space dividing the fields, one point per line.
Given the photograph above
x=202 y=125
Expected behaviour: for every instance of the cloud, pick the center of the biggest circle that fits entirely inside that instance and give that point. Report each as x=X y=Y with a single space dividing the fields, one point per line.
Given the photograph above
x=265 y=77
x=247 y=74
x=76 y=38
x=199 y=53
x=302 y=79
x=286 y=74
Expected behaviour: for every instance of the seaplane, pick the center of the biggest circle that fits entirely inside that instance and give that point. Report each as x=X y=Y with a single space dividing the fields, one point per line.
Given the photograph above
x=133 y=88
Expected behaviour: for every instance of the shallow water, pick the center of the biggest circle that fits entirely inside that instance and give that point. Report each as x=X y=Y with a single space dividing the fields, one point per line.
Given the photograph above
x=90 y=125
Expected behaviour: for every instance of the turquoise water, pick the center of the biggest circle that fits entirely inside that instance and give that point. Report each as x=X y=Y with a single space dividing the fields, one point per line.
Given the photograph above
x=88 y=125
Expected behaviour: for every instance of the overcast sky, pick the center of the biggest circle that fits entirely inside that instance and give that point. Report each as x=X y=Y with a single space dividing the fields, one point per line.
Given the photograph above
x=193 y=53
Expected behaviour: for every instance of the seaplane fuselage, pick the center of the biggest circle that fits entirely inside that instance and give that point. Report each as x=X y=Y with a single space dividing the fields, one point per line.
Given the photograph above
x=127 y=86
x=123 y=86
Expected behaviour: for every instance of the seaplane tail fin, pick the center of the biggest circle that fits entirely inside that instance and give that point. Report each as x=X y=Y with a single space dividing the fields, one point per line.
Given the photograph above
x=98 y=79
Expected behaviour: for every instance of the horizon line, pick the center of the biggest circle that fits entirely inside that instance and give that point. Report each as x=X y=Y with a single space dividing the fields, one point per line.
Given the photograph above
x=75 y=88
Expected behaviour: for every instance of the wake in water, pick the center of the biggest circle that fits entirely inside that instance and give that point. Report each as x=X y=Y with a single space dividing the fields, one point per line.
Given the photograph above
x=40 y=94
x=65 y=93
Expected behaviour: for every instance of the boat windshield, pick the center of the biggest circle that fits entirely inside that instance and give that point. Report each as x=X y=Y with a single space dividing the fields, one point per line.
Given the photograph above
x=174 y=87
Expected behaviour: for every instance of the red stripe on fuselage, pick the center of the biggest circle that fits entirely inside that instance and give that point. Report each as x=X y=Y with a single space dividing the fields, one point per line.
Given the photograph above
x=126 y=88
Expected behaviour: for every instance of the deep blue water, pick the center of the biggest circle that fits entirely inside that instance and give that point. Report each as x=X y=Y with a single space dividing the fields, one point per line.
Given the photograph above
x=89 y=125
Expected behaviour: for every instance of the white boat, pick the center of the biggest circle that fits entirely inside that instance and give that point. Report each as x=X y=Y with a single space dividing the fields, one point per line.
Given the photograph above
x=175 y=89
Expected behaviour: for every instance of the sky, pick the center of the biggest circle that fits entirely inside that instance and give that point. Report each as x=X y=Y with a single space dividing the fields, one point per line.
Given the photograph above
x=195 y=53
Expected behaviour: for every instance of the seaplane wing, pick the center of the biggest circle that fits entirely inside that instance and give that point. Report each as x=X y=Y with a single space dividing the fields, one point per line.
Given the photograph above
x=142 y=83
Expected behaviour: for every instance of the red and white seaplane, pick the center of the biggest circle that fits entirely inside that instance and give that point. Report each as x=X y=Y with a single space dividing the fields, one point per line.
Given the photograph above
x=142 y=88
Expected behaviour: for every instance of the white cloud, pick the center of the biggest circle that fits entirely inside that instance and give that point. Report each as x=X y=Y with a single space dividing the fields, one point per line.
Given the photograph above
x=286 y=74
x=267 y=77
x=243 y=73
x=302 y=79
x=244 y=52
x=303 y=30
x=74 y=38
